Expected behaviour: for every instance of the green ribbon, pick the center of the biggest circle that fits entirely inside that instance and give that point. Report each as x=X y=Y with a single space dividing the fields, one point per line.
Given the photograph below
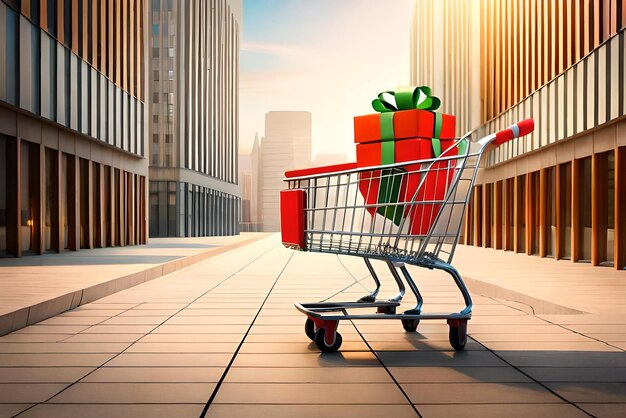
x=405 y=98
x=389 y=192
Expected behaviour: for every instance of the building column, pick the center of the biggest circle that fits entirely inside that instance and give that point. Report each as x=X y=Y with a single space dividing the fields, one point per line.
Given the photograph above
x=518 y=212
x=486 y=215
x=599 y=202
x=497 y=196
x=35 y=197
x=575 y=210
x=620 y=209
x=90 y=206
x=529 y=215
x=120 y=208
x=477 y=213
x=59 y=203
x=558 y=201
x=131 y=208
x=14 y=214
x=509 y=209
x=73 y=194
x=543 y=216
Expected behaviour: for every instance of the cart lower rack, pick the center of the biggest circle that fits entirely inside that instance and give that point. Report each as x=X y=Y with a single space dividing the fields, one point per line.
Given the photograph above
x=405 y=213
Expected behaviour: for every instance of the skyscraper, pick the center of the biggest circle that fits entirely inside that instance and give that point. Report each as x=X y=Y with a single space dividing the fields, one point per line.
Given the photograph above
x=72 y=166
x=286 y=145
x=193 y=127
x=561 y=191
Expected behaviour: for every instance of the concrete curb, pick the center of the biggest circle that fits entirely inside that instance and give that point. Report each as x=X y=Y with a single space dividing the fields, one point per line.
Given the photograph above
x=30 y=315
x=538 y=306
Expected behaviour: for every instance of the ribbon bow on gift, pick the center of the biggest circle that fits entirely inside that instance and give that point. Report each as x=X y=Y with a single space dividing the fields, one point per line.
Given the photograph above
x=407 y=98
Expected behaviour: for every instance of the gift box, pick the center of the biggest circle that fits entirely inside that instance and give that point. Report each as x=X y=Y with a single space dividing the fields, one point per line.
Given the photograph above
x=393 y=136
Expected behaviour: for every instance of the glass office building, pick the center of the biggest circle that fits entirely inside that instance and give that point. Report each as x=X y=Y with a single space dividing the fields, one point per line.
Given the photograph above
x=560 y=192
x=193 y=111
x=72 y=166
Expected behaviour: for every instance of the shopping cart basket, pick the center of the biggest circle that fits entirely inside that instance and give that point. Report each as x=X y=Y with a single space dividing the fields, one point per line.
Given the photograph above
x=324 y=210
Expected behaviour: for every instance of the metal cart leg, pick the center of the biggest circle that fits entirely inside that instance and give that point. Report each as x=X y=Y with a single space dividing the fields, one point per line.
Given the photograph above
x=396 y=277
x=372 y=296
x=418 y=296
x=459 y=282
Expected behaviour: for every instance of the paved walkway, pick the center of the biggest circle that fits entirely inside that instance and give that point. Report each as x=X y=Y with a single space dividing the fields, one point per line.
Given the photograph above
x=221 y=339
x=578 y=286
x=37 y=287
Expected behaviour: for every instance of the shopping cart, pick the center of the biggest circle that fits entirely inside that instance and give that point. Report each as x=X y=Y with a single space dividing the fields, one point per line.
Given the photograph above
x=324 y=210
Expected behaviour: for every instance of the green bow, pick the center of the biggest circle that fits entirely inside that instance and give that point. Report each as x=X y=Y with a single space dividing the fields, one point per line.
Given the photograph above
x=405 y=98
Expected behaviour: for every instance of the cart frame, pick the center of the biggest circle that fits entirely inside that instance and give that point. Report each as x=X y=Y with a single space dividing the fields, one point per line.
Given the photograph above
x=402 y=239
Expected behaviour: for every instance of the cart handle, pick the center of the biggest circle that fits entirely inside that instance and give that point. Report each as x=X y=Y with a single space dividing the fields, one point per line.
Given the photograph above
x=516 y=130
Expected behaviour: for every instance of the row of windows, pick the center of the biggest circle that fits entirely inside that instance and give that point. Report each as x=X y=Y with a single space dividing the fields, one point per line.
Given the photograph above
x=564 y=212
x=183 y=209
x=81 y=203
x=105 y=33
x=587 y=95
x=47 y=79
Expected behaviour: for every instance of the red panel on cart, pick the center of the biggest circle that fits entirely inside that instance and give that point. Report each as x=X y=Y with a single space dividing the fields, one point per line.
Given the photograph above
x=292 y=218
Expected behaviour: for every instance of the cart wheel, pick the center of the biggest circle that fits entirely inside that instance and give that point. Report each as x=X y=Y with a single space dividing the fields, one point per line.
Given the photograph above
x=410 y=325
x=309 y=329
x=322 y=344
x=458 y=335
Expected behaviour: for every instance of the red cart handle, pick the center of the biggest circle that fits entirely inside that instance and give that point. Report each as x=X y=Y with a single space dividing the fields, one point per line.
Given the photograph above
x=516 y=130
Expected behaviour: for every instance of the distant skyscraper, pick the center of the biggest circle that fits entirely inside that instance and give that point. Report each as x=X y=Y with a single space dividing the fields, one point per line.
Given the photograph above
x=72 y=137
x=194 y=117
x=286 y=145
x=249 y=180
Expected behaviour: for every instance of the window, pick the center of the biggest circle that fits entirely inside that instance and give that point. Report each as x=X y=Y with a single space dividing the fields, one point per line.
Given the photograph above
x=170 y=52
x=34 y=11
x=155 y=118
x=155 y=52
x=52 y=17
x=155 y=138
x=155 y=29
x=170 y=74
x=155 y=75
x=67 y=24
x=12 y=56
x=60 y=82
x=155 y=97
x=48 y=76
x=30 y=67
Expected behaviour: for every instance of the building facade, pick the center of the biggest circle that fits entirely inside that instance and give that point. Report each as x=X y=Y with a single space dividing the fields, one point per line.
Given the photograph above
x=72 y=138
x=560 y=192
x=193 y=111
x=285 y=146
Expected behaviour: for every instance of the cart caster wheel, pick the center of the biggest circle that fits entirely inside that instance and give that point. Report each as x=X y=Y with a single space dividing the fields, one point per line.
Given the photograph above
x=458 y=335
x=410 y=325
x=309 y=329
x=322 y=344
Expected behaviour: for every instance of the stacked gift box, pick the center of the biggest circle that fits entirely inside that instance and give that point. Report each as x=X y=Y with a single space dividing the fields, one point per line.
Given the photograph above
x=406 y=129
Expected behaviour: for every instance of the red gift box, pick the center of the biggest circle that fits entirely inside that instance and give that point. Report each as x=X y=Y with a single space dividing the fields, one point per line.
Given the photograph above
x=410 y=141
x=406 y=124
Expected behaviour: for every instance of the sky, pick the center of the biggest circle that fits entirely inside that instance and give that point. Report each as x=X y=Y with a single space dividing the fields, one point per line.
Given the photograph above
x=328 y=57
